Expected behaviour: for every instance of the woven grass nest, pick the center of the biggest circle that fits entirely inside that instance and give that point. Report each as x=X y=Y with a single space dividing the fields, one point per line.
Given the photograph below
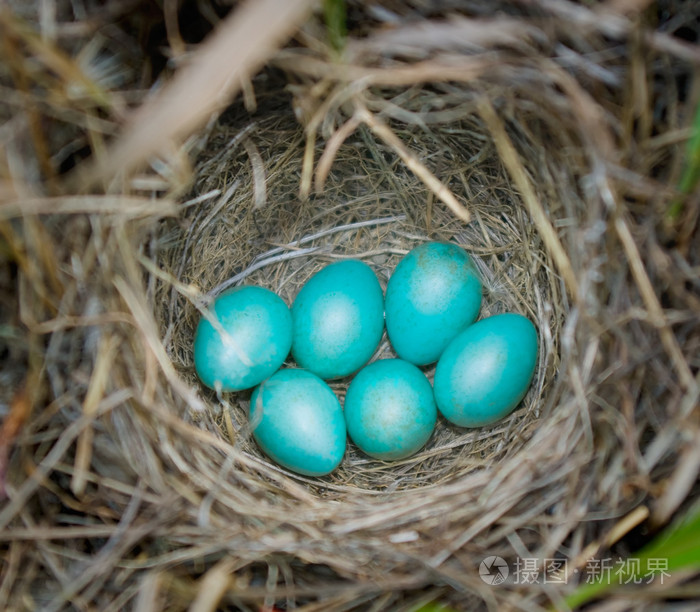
x=145 y=167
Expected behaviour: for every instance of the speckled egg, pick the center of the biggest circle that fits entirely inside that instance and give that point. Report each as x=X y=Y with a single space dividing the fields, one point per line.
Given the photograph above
x=486 y=370
x=297 y=421
x=338 y=319
x=433 y=294
x=389 y=409
x=245 y=337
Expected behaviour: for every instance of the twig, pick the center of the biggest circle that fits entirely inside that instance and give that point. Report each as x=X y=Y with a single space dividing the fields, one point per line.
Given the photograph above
x=258 y=167
x=272 y=257
x=95 y=393
x=241 y=45
x=257 y=266
x=414 y=164
x=445 y=68
x=515 y=168
x=334 y=143
x=680 y=483
x=652 y=301
x=332 y=230
x=144 y=320
x=619 y=530
x=128 y=206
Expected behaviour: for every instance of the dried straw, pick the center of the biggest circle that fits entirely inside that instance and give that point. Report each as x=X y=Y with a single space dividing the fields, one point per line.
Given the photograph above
x=547 y=138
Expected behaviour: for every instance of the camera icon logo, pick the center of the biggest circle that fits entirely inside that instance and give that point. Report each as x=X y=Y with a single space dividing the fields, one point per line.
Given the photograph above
x=493 y=570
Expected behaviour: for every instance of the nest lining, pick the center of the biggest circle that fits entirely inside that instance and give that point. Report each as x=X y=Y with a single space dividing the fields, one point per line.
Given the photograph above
x=373 y=209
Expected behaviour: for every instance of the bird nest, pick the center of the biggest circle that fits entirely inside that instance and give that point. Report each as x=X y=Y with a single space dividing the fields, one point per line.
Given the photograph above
x=547 y=139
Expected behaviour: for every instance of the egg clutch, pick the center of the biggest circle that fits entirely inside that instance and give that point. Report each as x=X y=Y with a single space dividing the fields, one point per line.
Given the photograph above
x=333 y=329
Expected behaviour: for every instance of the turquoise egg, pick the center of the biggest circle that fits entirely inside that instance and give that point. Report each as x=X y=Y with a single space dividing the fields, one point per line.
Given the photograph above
x=433 y=294
x=248 y=342
x=297 y=421
x=338 y=319
x=486 y=370
x=389 y=409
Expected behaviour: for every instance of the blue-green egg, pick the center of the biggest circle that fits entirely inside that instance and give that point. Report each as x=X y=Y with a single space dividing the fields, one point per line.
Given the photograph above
x=297 y=421
x=486 y=370
x=338 y=319
x=245 y=337
x=433 y=294
x=389 y=409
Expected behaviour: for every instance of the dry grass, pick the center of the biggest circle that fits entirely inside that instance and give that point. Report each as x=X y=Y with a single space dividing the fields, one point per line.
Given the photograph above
x=547 y=139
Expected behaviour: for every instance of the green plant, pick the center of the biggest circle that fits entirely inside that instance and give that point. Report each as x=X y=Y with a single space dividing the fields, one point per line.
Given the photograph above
x=334 y=13
x=691 y=170
x=678 y=545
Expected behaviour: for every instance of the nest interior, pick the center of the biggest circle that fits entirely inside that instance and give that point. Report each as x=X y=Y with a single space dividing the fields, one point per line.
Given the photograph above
x=374 y=209
x=128 y=484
